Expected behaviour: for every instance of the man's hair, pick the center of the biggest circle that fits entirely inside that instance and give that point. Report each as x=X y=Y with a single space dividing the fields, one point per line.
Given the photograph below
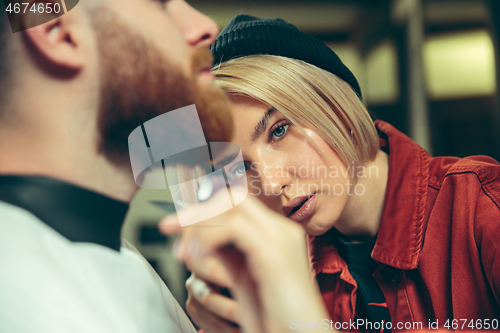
x=308 y=96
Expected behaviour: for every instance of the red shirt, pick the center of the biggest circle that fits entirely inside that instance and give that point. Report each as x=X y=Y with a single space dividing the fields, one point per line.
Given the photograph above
x=438 y=245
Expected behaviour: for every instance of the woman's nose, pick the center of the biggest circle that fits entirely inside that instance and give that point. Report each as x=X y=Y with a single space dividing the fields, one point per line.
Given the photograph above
x=275 y=179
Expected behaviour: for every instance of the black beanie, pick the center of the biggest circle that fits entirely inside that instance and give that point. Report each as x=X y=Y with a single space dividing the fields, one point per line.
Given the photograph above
x=247 y=35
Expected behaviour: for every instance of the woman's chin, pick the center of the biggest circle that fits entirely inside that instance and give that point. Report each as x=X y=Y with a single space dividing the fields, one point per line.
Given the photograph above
x=314 y=229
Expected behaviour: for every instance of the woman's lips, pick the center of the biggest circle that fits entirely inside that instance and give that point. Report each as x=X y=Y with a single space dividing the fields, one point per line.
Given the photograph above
x=302 y=210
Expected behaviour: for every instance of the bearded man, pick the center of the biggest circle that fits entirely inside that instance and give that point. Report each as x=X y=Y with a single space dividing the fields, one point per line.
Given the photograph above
x=71 y=91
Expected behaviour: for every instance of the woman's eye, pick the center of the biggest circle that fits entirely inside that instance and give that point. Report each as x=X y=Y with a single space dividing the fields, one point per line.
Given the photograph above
x=239 y=171
x=280 y=131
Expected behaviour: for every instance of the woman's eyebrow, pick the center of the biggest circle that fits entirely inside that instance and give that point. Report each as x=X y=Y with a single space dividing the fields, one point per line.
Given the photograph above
x=262 y=125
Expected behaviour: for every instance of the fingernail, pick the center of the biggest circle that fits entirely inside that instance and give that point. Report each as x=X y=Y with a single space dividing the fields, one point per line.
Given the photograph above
x=200 y=290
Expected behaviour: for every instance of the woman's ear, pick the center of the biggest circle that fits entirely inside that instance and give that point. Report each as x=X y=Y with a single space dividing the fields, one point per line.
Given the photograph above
x=53 y=35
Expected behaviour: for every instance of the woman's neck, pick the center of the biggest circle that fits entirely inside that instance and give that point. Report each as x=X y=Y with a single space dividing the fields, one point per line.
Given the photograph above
x=360 y=219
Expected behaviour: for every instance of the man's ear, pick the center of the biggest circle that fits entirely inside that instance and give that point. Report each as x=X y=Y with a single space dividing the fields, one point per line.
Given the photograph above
x=57 y=39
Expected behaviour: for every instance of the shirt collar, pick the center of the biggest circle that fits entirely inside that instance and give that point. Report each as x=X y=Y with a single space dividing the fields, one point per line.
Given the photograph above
x=76 y=213
x=400 y=235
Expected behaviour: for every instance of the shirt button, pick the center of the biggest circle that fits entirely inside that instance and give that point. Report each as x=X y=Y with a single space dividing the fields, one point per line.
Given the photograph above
x=390 y=275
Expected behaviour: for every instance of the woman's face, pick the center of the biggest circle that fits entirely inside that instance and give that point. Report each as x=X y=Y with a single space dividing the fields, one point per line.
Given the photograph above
x=285 y=170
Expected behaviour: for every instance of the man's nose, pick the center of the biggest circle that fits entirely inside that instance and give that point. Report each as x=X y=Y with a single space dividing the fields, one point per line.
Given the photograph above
x=198 y=29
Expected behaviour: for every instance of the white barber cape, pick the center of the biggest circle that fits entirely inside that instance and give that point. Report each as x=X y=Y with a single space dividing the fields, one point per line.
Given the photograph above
x=49 y=284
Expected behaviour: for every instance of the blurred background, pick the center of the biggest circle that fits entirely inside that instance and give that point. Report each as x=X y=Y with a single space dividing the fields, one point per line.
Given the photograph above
x=428 y=67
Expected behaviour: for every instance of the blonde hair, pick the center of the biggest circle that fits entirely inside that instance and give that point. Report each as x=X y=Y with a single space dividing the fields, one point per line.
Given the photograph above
x=307 y=96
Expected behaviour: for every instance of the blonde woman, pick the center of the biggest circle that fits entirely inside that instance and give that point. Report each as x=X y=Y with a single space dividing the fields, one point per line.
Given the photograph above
x=397 y=239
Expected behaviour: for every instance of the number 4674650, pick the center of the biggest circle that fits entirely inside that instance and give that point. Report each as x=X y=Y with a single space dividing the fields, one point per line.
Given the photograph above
x=35 y=8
